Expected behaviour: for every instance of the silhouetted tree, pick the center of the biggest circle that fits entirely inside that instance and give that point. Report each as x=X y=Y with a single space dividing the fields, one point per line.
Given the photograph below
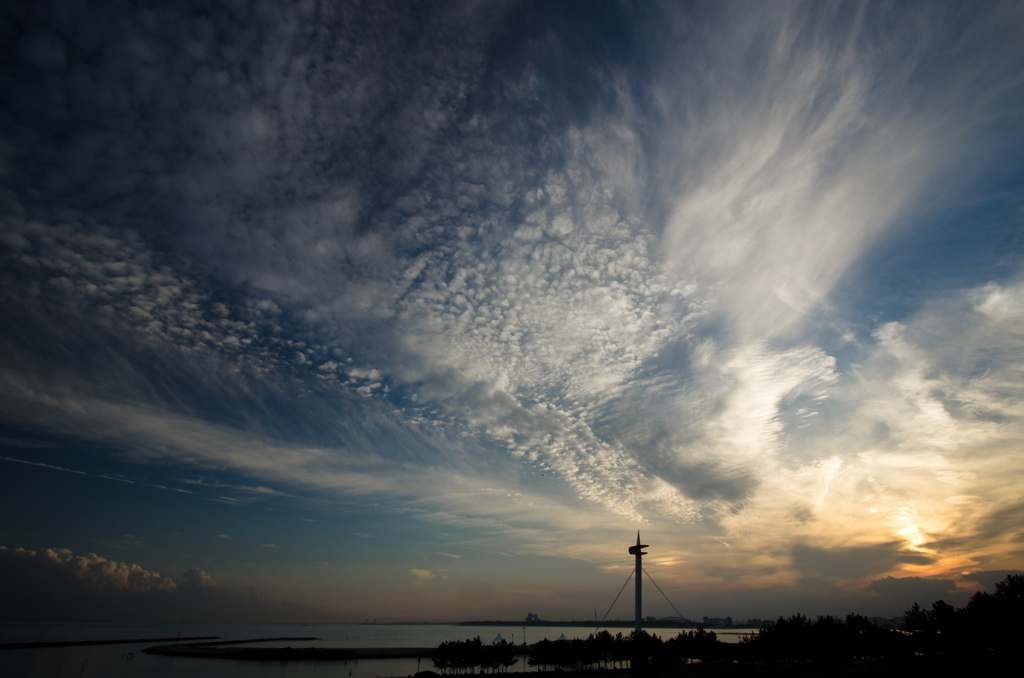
x=542 y=654
x=989 y=622
x=785 y=640
x=829 y=639
x=699 y=644
x=461 y=656
x=498 y=656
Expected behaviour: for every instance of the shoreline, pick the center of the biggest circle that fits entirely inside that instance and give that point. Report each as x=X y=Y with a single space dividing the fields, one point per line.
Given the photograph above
x=215 y=651
x=42 y=644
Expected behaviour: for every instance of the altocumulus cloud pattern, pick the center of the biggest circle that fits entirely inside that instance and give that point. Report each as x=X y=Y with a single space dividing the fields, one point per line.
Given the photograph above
x=745 y=275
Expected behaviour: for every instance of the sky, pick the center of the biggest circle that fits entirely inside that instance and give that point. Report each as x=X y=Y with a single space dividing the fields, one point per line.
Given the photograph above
x=323 y=311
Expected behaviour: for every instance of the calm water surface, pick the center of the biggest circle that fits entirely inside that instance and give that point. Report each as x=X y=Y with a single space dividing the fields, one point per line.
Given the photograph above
x=114 y=660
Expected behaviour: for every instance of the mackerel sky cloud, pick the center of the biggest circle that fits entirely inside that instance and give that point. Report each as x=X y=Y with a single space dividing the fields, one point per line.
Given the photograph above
x=438 y=305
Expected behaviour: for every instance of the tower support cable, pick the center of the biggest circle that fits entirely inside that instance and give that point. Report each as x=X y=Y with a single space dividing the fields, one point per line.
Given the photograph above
x=615 y=601
x=662 y=592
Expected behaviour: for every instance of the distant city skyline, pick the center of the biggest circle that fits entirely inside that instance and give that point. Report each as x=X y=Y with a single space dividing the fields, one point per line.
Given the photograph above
x=420 y=311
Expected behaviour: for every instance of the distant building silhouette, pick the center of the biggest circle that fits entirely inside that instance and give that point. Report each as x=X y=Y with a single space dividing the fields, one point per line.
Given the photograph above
x=531 y=617
x=718 y=621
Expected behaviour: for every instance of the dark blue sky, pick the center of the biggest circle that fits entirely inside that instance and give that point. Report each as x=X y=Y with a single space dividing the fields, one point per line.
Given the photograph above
x=419 y=312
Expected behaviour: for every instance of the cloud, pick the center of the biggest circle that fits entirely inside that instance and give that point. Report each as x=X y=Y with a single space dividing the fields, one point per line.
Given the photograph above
x=196 y=579
x=909 y=451
x=557 y=394
x=59 y=585
x=393 y=265
x=906 y=591
x=422 y=575
x=915 y=586
x=989 y=579
x=854 y=561
x=95 y=572
x=83 y=473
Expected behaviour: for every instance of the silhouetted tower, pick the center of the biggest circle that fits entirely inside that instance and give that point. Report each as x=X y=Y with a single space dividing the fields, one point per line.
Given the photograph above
x=638 y=552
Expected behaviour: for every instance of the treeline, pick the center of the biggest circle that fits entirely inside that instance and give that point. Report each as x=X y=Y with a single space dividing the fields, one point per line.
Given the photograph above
x=463 y=656
x=792 y=639
x=988 y=624
x=604 y=651
x=828 y=639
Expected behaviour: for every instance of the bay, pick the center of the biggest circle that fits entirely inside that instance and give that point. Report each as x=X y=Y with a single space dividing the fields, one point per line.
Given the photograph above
x=129 y=660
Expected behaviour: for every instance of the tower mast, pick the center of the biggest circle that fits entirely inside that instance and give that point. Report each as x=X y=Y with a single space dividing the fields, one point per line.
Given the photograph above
x=638 y=552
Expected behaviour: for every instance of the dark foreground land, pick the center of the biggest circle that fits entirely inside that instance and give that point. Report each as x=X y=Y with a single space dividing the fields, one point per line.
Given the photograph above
x=937 y=667
x=933 y=667
x=918 y=667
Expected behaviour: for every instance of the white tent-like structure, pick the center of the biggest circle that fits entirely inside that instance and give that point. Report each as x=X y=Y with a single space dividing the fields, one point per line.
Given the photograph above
x=561 y=637
x=497 y=640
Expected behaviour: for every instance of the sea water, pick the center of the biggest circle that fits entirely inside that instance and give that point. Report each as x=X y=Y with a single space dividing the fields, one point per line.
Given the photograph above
x=127 y=659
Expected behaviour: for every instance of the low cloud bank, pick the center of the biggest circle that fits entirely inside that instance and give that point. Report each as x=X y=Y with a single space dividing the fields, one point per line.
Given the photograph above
x=902 y=592
x=925 y=591
x=92 y=571
x=59 y=585
x=990 y=578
